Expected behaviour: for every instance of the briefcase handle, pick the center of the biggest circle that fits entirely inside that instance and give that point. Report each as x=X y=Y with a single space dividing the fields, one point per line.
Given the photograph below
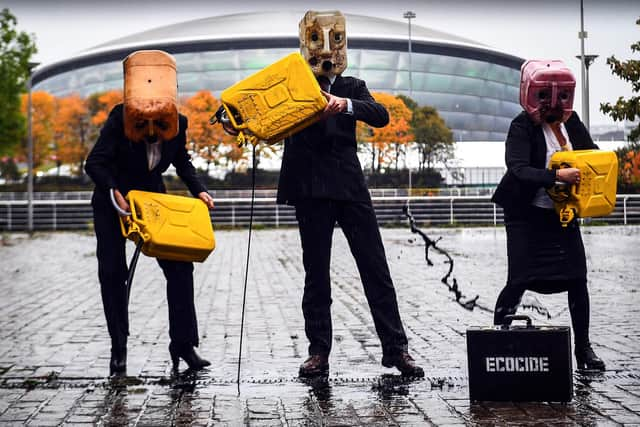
x=511 y=317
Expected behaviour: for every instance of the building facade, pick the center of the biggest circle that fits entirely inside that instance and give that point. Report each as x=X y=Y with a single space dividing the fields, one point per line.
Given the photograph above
x=474 y=88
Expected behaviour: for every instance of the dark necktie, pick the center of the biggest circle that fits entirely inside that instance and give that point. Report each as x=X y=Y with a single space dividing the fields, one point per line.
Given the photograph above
x=325 y=83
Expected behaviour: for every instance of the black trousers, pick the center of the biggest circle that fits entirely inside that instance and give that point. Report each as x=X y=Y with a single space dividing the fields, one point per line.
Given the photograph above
x=547 y=258
x=577 y=294
x=316 y=219
x=112 y=273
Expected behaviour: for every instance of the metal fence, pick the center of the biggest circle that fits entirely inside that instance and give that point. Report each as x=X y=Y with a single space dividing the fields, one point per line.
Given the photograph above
x=234 y=212
x=263 y=193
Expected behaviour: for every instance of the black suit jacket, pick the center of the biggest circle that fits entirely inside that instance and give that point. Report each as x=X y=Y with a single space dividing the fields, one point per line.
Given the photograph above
x=525 y=155
x=321 y=160
x=116 y=162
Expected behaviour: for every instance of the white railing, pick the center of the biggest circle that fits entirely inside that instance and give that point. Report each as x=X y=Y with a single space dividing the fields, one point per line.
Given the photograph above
x=260 y=193
x=234 y=212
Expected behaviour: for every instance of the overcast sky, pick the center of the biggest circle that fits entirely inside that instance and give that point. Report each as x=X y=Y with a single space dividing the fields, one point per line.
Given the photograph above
x=529 y=29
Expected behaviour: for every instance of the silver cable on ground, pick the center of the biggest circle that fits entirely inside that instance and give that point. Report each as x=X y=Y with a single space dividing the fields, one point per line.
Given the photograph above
x=246 y=270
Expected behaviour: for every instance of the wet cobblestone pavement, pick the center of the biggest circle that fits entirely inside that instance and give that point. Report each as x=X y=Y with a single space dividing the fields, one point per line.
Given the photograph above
x=54 y=347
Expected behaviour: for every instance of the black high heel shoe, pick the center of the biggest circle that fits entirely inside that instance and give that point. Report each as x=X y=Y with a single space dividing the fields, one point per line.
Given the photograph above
x=188 y=354
x=118 y=362
x=586 y=359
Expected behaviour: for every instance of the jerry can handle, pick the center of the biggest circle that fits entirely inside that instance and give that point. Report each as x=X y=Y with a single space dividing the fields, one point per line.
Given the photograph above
x=511 y=317
x=134 y=215
x=121 y=211
x=574 y=190
x=229 y=116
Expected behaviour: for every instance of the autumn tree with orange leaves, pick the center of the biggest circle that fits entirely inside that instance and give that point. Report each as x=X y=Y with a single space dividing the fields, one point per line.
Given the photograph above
x=205 y=140
x=387 y=144
x=71 y=131
x=43 y=109
x=631 y=167
x=210 y=142
x=99 y=106
x=65 y=129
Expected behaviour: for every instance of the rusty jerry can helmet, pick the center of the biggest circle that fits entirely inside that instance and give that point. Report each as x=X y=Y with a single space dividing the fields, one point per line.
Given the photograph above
x=150 y=96
x=323 y=42
x=547 y=89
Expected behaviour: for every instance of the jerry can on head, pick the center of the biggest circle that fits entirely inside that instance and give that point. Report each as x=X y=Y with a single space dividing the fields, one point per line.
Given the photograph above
x=172 y=227
x=595 y=195
x=279 y=100
x=150 y=93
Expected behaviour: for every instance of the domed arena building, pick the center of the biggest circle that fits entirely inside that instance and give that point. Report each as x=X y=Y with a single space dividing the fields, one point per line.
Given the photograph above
x=474 y=87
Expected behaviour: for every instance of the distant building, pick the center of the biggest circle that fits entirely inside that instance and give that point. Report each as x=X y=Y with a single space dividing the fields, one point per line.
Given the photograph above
x=474 y=87
x=618 y=131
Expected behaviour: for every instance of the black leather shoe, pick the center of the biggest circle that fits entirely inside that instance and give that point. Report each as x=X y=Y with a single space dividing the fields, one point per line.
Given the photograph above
x=586 y=359
x=316 y=365
x=405 y=364
x=118 y=362
x=188 y=354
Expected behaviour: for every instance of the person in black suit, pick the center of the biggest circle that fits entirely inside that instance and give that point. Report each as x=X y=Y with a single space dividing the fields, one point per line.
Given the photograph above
x=321 y=176
x=543 y=256
x=139 y=141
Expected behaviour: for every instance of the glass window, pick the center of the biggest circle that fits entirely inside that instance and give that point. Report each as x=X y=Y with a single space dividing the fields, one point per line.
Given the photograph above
x=353 y=59
x=504 y=74
x=378 y=60
x=467 y=86
x=402 y=80
x=494 y=90
x=489 y=106
x=379 y=80
x=443 y=64
x=509 y=109
x=472 y=68
x=438 y=83
x=484 y=122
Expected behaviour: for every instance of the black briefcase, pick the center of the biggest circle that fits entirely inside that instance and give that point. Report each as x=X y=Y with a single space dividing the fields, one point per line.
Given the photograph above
x=520 y=363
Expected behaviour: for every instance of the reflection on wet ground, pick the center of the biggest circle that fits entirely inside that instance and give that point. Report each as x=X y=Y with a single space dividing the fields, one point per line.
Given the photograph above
x=386 y=400
x=54 y=350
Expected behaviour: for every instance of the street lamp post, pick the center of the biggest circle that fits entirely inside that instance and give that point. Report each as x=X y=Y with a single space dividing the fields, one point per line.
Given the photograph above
x=585 y=62
x=409 y=15
x=32 y=65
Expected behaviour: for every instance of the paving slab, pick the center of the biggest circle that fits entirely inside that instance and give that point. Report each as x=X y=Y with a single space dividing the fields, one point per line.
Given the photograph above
x=54 y=346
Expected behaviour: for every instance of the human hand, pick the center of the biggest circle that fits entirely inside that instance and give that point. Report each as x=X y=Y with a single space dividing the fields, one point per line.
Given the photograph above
x=335 y=104
x=121 y=201
x=206 y=198
x=568 y=175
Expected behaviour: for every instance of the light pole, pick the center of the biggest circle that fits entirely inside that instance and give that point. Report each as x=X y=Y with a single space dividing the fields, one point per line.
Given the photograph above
x=32 y=65
x=409 y=15
x=585 y=62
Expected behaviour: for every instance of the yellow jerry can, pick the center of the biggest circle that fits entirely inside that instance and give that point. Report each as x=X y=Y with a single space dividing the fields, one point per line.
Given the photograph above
x=172 y=227
x=281 y=99
x=595 y=195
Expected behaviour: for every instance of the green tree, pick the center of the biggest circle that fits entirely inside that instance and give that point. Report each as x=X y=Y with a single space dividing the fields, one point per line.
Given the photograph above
x=626 y=109
x=432 y=136
x=16 y=49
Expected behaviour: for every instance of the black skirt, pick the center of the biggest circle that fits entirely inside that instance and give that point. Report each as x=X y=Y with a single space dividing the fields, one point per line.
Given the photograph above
x=539 y=249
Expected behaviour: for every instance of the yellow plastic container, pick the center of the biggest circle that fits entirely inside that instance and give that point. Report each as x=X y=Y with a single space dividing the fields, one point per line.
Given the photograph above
x=275 y=102
x=595 y=195
x=172 y=227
